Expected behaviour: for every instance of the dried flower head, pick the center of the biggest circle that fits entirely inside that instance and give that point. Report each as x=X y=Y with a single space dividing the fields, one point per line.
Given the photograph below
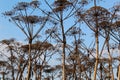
x=22 y=6
x=83 y=2
x=35 y=4
x=9 y=13
x=99 y=13
x=31 y=19
x=60 y=5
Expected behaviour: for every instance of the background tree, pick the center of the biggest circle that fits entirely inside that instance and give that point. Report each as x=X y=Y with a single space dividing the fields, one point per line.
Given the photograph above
x=25 y=18
x=62 y=12
x=96 y=18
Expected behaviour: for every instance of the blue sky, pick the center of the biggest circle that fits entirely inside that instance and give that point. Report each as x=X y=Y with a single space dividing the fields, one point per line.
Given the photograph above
x=9 y=30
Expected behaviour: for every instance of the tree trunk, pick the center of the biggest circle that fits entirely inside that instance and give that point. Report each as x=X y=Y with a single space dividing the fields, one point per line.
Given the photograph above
x=21 y=71
x=119 y=63
x=110 y=58
x=118 y=72
x=97 y=53
x=97 y=42
x=63 y=47
x=63 y=64
x=29 y=61
x=35 y=75
x=40 y=75
x=3 y=76
x=110 y=68
x=74 y=71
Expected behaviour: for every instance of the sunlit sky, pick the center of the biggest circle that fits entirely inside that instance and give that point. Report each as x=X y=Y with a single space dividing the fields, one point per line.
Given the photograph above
x=9 y=30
